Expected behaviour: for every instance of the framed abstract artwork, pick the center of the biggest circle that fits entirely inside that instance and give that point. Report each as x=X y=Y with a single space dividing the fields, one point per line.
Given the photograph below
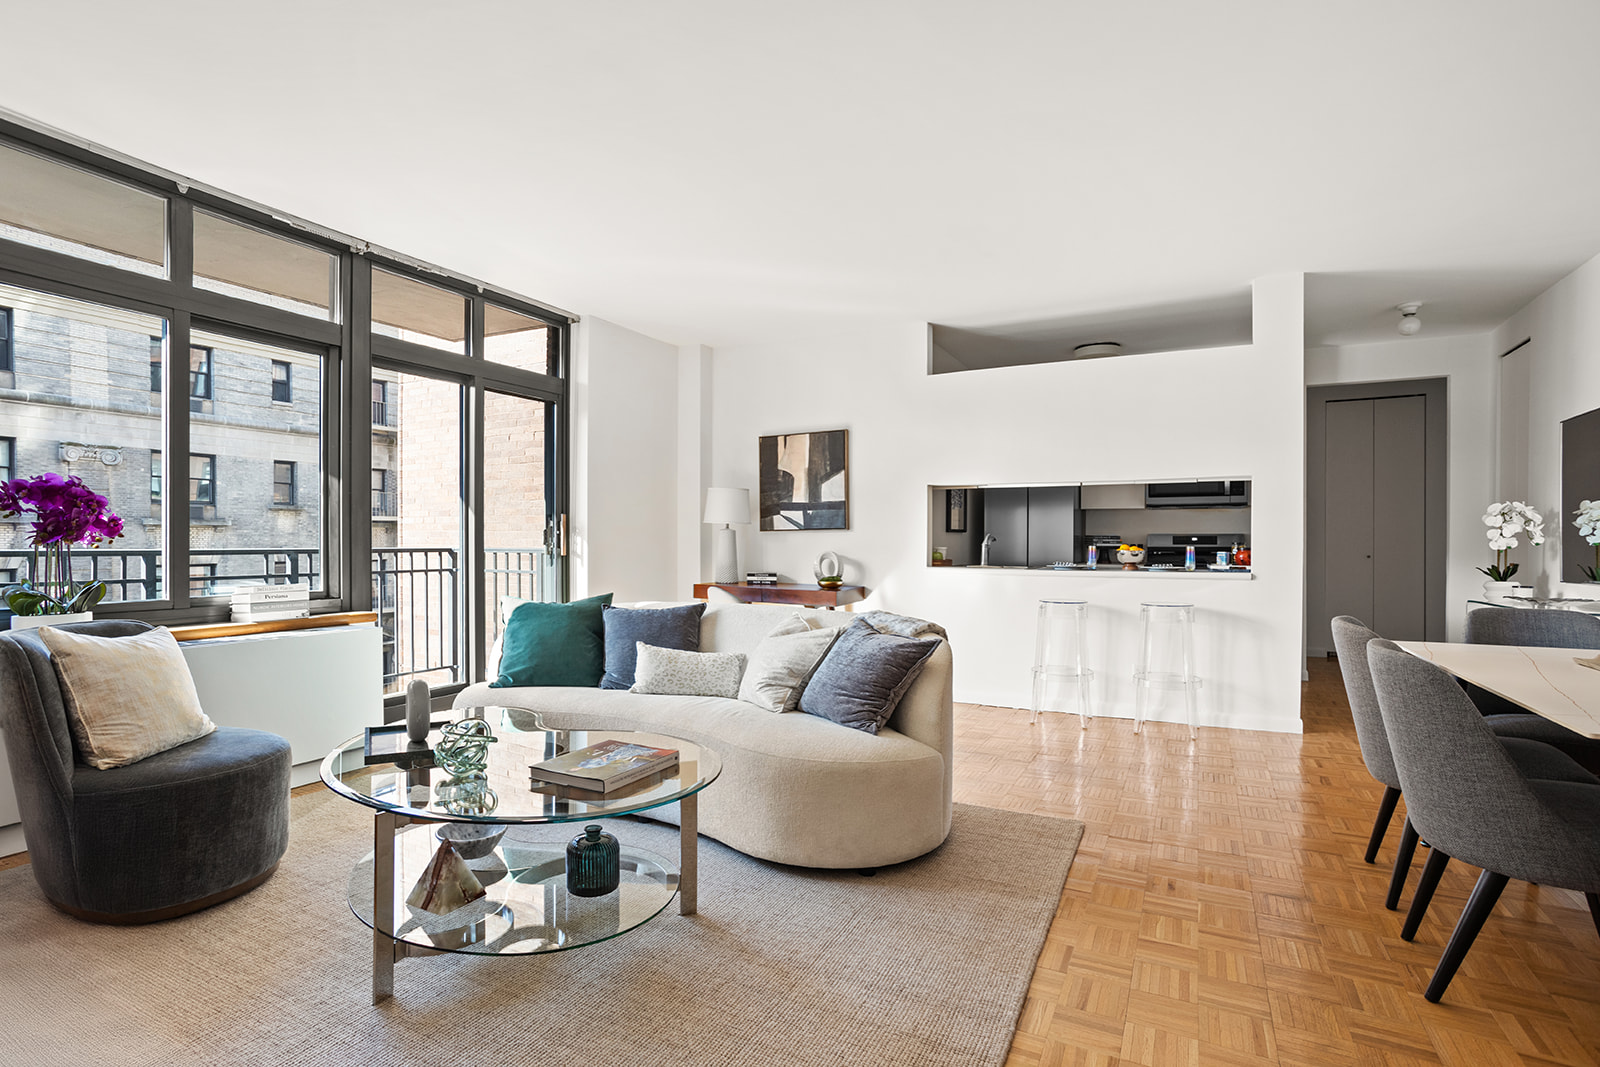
x=955 y=510
x=805 y=481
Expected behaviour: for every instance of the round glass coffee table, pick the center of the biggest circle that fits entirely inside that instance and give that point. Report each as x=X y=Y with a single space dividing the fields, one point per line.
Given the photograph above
x=526 y=907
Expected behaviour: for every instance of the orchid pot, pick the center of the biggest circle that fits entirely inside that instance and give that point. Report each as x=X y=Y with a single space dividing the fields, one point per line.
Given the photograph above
x=1505 y=522
x=65 y=513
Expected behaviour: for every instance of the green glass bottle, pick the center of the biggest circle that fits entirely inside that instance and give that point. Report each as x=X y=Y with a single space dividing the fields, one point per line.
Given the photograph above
x=594 y=866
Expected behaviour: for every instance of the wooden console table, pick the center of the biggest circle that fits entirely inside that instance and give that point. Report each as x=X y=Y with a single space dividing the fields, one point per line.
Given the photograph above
x=786 y=593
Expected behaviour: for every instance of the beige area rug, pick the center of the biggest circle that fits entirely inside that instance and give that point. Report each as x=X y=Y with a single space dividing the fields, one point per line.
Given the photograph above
x=925 y=963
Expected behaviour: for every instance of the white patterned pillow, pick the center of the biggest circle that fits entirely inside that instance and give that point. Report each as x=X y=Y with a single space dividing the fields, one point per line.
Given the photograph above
x=670 y=672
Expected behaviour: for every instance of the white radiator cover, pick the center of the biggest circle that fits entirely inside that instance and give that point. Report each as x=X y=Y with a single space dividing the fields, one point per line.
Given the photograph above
x=312 y=687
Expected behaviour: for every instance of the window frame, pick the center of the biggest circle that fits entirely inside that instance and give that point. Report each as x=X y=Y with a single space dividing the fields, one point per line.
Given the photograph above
x=8 y=469
x=8 y=352
x=350 y=344
x=209 y=480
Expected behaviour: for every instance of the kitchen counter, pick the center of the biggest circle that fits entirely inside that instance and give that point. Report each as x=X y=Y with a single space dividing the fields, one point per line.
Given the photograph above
x=1115 y=571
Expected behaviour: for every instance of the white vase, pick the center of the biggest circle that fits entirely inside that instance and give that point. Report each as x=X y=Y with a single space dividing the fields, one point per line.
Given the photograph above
x=30 y=622
x=1496 y=592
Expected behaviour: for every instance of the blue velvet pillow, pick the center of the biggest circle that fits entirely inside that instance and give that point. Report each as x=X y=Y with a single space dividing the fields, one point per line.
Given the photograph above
x=553 y=644
x=860 y=681
x=676 y=628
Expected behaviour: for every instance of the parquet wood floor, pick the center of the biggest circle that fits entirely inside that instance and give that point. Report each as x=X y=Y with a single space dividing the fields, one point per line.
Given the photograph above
x=1219 y=911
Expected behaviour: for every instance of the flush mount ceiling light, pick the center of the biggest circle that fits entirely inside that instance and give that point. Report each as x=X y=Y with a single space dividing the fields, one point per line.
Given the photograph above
x=1409 y=323
x=1096 y=349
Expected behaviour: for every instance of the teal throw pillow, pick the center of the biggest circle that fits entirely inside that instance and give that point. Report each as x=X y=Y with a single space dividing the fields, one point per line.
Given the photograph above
x=554 y=644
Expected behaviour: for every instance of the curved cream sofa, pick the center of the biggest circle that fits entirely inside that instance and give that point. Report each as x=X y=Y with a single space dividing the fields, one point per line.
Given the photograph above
x=794 y=788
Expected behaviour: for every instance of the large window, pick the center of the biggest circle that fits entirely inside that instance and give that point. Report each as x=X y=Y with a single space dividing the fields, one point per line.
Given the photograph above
x=151 y=333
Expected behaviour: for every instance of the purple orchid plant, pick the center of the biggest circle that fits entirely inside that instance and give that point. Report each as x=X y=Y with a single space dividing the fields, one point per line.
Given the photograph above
x=66 y=512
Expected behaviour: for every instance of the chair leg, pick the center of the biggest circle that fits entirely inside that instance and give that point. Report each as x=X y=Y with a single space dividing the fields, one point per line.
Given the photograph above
x=1402 y=864
x=1432 y=871
x=1479 y=905
x=1594 y=909
x=1391 y=797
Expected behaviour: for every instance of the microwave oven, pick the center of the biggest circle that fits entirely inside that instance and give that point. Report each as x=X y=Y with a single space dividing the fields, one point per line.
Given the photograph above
x=1227 y=494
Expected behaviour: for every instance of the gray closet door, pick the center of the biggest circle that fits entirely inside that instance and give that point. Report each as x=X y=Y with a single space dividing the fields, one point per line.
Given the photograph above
x=1399 y=476
x=1350 y=518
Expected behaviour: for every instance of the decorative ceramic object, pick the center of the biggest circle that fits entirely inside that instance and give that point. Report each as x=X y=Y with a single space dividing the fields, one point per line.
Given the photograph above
x=471 y=840
x=418 y=711
x=594 y=865
x=826 y=568
x=446 y=884
x=30 y=622
x=1497 y=592
x=464 y=748
x=1130 y=556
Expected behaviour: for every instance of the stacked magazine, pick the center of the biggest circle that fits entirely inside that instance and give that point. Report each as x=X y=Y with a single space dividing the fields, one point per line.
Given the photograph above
x=266 y=603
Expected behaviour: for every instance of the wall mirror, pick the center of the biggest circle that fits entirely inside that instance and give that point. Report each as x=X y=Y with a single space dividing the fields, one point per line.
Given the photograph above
x=1580 y=480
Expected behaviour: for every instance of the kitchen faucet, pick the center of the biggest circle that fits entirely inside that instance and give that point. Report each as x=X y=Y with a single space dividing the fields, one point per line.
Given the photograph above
x=983 y=549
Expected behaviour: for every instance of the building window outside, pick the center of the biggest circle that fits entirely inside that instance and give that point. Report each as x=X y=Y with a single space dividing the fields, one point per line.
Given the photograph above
x=155 y=364
x=8 y=458
x=200 y=378
x=383 y=502
x=202 y=487
x=381 y=414
x=6 y=362
x=280 y=382
x=283 y=482
x=202 y=579
x=155 y=478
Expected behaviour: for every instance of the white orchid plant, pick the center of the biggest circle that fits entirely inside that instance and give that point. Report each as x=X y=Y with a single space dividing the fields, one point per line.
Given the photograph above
x=1505 y=522
x=1588 y=524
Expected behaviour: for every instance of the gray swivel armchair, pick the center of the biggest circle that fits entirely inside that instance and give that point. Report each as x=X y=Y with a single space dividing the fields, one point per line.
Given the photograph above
x=1471 y=801
x=1535 y=759
x=1533 y=629
x=170 y=834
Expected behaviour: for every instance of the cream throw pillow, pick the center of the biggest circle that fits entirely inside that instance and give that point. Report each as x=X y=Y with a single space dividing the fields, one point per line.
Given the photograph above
x=783 y=662
x=127 y=697
x=671 y=672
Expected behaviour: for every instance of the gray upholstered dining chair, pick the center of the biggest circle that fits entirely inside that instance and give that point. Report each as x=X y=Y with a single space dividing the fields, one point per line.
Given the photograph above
x=173 y=833
x=1471 y=801
x=1534 y=629
x=1350 y=640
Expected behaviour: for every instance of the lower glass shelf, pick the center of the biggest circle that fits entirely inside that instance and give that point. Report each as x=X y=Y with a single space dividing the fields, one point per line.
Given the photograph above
x=526 y=908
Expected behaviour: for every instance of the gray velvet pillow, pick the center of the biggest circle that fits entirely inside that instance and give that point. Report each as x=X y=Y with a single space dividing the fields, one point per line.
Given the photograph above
x=677 y=627
x=860 y=681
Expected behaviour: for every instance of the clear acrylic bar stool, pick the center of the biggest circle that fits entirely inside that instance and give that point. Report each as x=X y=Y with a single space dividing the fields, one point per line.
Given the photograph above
x=1166 y=659
x=1058 y=658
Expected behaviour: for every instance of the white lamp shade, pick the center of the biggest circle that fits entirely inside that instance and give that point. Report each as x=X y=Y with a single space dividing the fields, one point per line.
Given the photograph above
x=728 y=505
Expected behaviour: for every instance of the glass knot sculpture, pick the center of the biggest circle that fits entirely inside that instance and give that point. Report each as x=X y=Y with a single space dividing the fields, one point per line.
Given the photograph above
x=464 y=748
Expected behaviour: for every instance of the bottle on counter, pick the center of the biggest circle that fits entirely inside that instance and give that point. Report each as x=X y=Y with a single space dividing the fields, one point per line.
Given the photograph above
x=1188 y=557
x=1094 y=556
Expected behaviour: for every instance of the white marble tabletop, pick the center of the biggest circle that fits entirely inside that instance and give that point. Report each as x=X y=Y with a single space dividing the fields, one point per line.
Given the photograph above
x=1547 y=681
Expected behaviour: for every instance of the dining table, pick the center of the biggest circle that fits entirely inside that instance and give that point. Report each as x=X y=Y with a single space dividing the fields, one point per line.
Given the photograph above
x=1547 y=681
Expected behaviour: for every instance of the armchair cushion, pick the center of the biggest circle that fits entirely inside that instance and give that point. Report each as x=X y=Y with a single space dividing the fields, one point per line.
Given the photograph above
x=126 y=697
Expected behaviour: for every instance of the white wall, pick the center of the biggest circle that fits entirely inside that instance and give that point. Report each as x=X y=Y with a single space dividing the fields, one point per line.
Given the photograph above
x=624 y=522
x=1557 y=376
x=1469 y=364
x=1236 y=411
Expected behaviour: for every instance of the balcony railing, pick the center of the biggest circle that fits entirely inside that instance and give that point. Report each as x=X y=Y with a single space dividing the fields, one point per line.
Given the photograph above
x=417 y=593
x=383 y=413
x=385 y=504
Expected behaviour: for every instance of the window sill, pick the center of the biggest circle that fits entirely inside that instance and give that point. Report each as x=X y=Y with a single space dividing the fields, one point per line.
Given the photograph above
x=286 y=507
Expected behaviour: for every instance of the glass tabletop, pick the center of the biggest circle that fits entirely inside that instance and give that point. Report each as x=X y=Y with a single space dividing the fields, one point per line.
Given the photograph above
x=503 y=792
x=526 y=907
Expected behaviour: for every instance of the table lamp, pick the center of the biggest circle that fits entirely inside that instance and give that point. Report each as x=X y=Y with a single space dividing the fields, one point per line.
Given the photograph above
x=726 y=506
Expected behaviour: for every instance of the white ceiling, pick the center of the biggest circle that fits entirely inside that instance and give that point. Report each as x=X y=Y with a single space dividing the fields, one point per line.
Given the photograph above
x=720 y=171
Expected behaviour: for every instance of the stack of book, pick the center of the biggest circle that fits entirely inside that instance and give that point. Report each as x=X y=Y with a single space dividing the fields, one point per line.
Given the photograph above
x=761 y=578
x=265 y=603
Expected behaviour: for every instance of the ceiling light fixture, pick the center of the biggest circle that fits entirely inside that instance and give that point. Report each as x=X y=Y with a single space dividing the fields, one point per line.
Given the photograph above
x=1096 y=349
x=1409 y=323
